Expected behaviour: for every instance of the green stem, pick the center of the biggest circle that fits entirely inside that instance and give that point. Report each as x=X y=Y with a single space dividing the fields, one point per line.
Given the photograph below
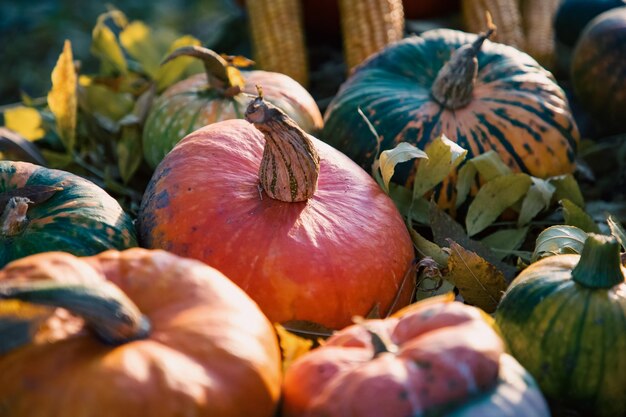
x=290 y=165
x=454 y=86
x=600 y=263
x=113 y=317
x=221 y=74
x=13 y=219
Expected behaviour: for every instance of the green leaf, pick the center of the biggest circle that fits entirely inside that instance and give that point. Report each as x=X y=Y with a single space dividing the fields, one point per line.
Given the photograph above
x=103 y=101
x=390 y=158
x=480 y=283
x=489 y=165
x=617 y=230
x=576 y=216
x=567 y=188
x=557 y=240
x=443 y=156
x=464 y=182
x=493 y=198
x=444 y=229
x=171 y=71
x=415 y=210
x=62 y=99
x=24 y=120
x=427 y=248
x=137 y=40
x=104 y=45
x=505 y=242
x=129 y=152
x=537 y=199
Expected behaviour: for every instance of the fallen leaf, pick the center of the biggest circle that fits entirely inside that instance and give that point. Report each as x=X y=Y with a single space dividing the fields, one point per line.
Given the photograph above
x=567 y=188
x=489 y=165
x=392 y=157
x=538 y=198
x=505 y=242
x=443 y=155
x=617 y=230
x=426 y=248
x=24 y=120
x=480 y=283
x=291 y=345
x=493 y=198
x=576 y=216
x=62 y=99
x=557 y=240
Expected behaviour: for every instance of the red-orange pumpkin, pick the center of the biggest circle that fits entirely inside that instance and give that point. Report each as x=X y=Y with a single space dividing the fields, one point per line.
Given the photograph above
x=182 y=341
x=340 y=249
x=437 y=357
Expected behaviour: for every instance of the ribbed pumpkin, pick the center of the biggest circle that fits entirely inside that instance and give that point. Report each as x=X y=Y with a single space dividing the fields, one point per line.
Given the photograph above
x=318 y=240
x=599 y=69
x=47 y=209
x=480 y=94
x=436 y=358
x=140 y=333
x=222 y=93
x=564 y=320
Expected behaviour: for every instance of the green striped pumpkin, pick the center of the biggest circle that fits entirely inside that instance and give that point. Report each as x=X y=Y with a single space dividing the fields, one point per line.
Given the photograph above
x=598 y=69
x=74 y=215
x=222 y=93
x=564 y=319
x=414 y=90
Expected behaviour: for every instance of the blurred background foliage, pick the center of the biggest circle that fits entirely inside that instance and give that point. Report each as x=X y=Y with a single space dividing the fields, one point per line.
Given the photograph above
x=32 y=34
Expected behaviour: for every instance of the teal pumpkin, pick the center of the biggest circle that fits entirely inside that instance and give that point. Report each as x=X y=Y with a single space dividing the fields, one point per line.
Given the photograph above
x=564 y=320
x=485 y=96
x=51 y=210
x=598 y=69
x=221 y=93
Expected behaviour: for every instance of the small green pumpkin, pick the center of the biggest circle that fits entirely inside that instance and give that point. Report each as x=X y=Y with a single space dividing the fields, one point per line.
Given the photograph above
x=598 y=69
x=222 y=93
x=482 y=95
x=564 y=319
x=46 y=210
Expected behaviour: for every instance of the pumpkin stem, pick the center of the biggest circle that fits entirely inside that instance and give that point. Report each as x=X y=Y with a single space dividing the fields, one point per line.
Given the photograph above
x=13 y=218
x=454 y=85
x=113 y=317
x=290 y=165
x=600 y=263
x=221 y=72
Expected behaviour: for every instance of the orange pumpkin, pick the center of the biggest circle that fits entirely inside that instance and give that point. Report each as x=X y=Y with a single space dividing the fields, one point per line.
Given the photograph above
x=173 y=337
x=335 y=246
x=437 y=357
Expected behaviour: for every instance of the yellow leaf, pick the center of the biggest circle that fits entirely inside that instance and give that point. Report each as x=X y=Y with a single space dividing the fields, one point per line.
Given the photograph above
x=138 y=41
x=480 y=283
x=104 y=45
x=62 y=98
x=171 y=71
x=24 y=120
x=292 y=346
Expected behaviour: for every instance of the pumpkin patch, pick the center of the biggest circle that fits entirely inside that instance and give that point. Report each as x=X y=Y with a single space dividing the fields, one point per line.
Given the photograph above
x=449 y=239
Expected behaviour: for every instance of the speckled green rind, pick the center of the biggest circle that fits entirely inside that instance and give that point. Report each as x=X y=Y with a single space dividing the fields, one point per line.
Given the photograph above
x=570 y=338
x=81 y=219
x=516 y=395
x=598 y=69
x=190 y=104
x=518 y=109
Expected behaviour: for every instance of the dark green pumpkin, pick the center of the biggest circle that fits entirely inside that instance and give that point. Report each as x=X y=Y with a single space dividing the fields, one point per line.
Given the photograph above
x=67 y=213
x=564 y=319
x=513 y=106
x=598 y=70
x=222 y=93
x=573 y=15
